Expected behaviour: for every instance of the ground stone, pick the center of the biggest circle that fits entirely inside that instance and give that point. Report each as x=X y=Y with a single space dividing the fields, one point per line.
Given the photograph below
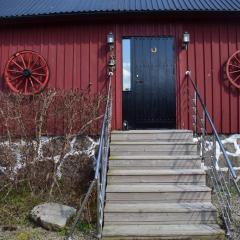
x=230 y=147
x=235 y=160
x=52 y=216
x=55 y=147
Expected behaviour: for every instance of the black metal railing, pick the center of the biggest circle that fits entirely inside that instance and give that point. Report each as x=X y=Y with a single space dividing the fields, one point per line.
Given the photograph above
x=100 y=170
x=224 y=180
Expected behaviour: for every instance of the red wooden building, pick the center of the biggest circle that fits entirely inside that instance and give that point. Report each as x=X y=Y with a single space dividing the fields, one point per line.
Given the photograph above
x=149 y=84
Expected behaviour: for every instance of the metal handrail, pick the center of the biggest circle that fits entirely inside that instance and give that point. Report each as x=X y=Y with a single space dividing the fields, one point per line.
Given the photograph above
x=222 y=186
x=233 y=172
x=100 y=170
x=104 y=128
x=102 y=159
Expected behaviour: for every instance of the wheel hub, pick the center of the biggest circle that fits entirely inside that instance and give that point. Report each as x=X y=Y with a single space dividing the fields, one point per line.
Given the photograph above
x=27 y=73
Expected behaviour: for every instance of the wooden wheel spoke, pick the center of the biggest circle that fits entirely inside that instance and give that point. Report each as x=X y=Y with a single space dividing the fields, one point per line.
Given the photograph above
x=24 y=64
x=18 y=84
x=14 y=79
x=234 y=71
x=14 y=71
x=17 y=64
x=26 y=86
x=237 y=58
x=33 y=64
x=31 y=82
x=237 y=78
x=38 y=81
x=234 y=65
x=38 y=68
x=38 y=74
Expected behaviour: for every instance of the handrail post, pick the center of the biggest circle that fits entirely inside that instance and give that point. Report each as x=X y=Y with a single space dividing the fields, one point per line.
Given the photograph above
x=203 y=130
x=99 y=225
x=214 y=148
x=195 y=113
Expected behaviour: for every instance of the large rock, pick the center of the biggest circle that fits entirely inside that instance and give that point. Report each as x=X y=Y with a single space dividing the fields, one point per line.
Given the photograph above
x=52 y=216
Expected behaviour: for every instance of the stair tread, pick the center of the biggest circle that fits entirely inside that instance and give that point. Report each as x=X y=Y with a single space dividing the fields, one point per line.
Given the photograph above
x=158 y=207
x=167 y=157
x=152 y=131
x=151 y=172
x=151 y=143
x=156 y=188
x=162 y=230
x=150 y=210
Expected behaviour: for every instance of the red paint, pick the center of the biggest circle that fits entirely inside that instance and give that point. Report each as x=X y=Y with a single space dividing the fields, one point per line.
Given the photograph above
x=77 y=56
x=208 y=72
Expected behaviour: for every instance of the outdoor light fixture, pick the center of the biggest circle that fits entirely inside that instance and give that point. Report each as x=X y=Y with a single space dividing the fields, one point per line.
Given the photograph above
x=110 y=41
x=112 y=60
x=186 y=40
x=112 y=64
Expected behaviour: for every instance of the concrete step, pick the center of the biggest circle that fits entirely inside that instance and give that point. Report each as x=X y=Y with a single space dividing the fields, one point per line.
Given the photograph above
x=152 y=148
x=157 y=176
x=155 y=162
x=155 y=192
x=153 y=135
x=160 y=213
x=160 y=232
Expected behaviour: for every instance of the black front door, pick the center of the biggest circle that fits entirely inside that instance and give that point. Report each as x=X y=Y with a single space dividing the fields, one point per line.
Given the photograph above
x=150 y=102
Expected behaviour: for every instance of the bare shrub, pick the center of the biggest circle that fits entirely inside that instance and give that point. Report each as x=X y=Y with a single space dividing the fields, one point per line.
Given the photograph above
x=45 y=148
x=77 y=171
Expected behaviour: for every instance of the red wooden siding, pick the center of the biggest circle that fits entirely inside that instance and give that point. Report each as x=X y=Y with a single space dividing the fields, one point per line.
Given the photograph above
x=77 y=56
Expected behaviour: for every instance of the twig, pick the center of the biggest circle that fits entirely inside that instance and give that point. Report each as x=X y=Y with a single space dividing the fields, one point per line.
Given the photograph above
x=90 y=122
x=80 y=211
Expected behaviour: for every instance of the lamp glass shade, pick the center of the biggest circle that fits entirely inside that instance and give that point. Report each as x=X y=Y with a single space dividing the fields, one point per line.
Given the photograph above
x=186 y=37
x=110 y=38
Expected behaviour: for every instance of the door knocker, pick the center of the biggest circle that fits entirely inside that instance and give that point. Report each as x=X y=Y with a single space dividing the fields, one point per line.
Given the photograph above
x=154 y=50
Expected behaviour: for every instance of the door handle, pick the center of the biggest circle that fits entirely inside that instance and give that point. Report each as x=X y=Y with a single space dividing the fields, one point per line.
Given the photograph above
x=138 y=81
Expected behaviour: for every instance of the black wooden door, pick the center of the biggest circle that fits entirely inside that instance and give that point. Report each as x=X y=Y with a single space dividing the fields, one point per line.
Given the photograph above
x=151 y=102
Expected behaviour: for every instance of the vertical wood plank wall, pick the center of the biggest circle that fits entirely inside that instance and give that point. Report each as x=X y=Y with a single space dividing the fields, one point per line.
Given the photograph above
x=77 y=57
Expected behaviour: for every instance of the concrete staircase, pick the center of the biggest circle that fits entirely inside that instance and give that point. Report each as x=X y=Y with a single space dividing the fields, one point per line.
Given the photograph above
x=156 y=188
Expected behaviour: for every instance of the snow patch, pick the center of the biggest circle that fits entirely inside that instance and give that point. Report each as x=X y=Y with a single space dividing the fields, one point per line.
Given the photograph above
x=233 y=139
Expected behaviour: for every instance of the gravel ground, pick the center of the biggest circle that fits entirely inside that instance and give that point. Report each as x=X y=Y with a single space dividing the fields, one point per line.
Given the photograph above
x=38 y=234
x=235 y=214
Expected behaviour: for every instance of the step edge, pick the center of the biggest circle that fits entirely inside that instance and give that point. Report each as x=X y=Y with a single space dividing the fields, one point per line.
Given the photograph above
x=167 y=157
x=153 y=131
x=158 y=209
x=176 y=188
x=151 y=143
x=217 y=230
x=151 y=172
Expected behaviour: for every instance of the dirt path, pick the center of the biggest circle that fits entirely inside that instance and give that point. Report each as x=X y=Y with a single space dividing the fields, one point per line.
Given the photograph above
x=38 y=234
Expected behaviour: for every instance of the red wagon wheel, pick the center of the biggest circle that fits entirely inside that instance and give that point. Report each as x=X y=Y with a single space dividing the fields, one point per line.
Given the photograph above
x=27 y=72
x=233 y=69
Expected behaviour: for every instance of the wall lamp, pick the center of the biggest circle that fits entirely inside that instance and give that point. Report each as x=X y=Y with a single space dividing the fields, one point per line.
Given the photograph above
x=185 y=40
x=112 y=60
x=112 y=64
x=110 y=41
